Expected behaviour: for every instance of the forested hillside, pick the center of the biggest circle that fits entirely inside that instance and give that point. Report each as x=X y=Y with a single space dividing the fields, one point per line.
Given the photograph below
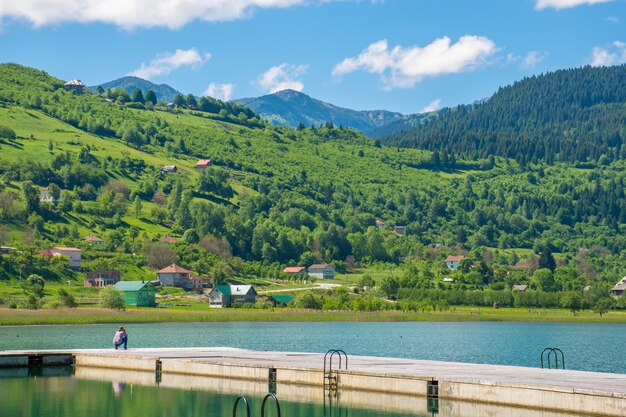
x=276 y=196
x=163 y=91
x=574 y=115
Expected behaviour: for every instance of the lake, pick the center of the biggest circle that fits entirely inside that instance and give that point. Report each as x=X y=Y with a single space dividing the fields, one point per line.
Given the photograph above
x=591 y=347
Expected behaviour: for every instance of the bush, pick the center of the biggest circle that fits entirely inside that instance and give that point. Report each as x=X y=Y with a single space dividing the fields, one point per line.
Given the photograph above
x=7 y=133
x=112 y=298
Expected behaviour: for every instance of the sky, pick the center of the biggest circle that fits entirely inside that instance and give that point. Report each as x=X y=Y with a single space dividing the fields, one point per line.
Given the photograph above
x=407 y=56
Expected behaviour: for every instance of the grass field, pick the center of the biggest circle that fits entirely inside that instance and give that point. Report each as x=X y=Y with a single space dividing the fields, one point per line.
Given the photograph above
x=200 y=312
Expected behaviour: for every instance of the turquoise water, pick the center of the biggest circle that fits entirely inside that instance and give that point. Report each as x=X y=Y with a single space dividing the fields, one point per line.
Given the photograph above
x=591 y=347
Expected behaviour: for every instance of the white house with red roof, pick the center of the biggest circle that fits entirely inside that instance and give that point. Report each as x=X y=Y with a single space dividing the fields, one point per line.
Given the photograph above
x=452 y=261
x=73 y=254
x=177 y=276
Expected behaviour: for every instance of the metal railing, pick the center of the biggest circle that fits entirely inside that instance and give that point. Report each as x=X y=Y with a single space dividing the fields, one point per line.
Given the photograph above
x=550 y=352
x=330 y=376
x=263 y=404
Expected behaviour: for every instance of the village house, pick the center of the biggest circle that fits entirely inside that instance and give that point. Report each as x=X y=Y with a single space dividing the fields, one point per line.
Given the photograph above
x=176 y=276
x=452 y=261
x=520 y=287
x=295 y=270
x=322 y=271
x=380 y=224
x=75 y=86
x=93 y=240
x=399 y=229
x=73 y=254
x=226 y=295
x=46 y=196
x=168 y=239
x=448 y=280
x=137 y=293
x=280 y=300
x=619 y=288
x=169 y=168
x=102 y=278
x=203 y=163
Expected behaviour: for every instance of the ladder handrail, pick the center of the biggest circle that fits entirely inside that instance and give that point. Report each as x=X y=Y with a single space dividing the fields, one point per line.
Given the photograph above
x=245 y=400
x=554 y=351
x=270 y=395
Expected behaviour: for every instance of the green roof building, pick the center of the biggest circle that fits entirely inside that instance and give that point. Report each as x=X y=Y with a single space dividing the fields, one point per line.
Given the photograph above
x=137 y=293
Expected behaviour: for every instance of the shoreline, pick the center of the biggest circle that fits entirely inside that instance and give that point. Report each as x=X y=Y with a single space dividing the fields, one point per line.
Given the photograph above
x=90 y=315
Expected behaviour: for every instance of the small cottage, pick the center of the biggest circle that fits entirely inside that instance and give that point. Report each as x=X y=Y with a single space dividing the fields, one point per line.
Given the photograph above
x=137 y=293
x=322 y=271
x=168 y=239
x=169 y=168
x=380 y=224
x=75 y=86
x=452 y=261
x=280 y=300
x=203 y=163
x=226 y=295
x=619 y=288
x=520 y=287
x=102 y=278
x=93 y=240
x=399 y=229
x=73 y=254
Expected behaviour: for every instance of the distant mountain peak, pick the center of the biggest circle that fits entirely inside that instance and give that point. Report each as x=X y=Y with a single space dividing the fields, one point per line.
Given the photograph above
x=290 y=108
x=129 y=83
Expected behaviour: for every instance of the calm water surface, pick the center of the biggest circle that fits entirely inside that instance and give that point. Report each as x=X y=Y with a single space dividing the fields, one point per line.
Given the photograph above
x=592 y=347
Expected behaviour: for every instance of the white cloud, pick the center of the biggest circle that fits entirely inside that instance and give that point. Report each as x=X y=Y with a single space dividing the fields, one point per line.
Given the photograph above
x=432 y=106
x=172 y=14
x=613 y=19
x=610 y=55
x=404 y=67
x=219 y=91
x=282 y=77
x=565 y=4
x=163 y=64
x=533 y=58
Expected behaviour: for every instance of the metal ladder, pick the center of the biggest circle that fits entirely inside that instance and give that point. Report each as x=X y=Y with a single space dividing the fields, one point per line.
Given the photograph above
x=245 y=401
x=555 y=352
x=330 y=376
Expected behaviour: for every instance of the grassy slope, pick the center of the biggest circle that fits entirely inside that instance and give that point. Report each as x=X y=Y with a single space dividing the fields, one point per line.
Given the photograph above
x=191 y=313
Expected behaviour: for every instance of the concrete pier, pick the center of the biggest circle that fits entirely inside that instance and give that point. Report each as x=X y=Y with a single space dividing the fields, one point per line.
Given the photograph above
x=300 y=376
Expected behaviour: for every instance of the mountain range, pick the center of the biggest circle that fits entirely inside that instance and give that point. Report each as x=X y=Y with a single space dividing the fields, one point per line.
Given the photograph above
x=290 y=108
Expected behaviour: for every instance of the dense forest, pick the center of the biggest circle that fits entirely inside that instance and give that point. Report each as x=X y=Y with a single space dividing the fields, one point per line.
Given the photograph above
x=276 y=196
x=574 y=116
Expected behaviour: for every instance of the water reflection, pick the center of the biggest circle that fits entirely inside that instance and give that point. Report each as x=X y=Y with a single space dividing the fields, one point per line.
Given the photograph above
x=94 y=392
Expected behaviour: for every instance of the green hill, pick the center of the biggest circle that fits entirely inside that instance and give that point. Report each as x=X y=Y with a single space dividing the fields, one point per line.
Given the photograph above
x=129 y=83
x=575 y=115
x=276 y=196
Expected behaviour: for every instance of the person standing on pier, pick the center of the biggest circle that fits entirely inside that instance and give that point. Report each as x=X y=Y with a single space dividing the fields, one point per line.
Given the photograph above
x=120 y=338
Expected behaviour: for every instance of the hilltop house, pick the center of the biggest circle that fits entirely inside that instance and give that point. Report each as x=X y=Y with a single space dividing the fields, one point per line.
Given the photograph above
x=93 y=240
x=520 y=287
x=137 y=293
x=452 y=261
x=399 y=229
x=226 y=295
x=75 y=86
x=73 y=254
x=176 y=276
x=380 y=224
x=323 y=271
x=203 y=163
x=102 y=278
x=619 y=288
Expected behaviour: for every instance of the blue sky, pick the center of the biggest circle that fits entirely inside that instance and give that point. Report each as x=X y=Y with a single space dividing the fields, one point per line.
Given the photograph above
x=399 y=55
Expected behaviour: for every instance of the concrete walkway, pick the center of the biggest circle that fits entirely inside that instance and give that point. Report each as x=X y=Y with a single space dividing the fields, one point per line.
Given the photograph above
x=591 y=393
